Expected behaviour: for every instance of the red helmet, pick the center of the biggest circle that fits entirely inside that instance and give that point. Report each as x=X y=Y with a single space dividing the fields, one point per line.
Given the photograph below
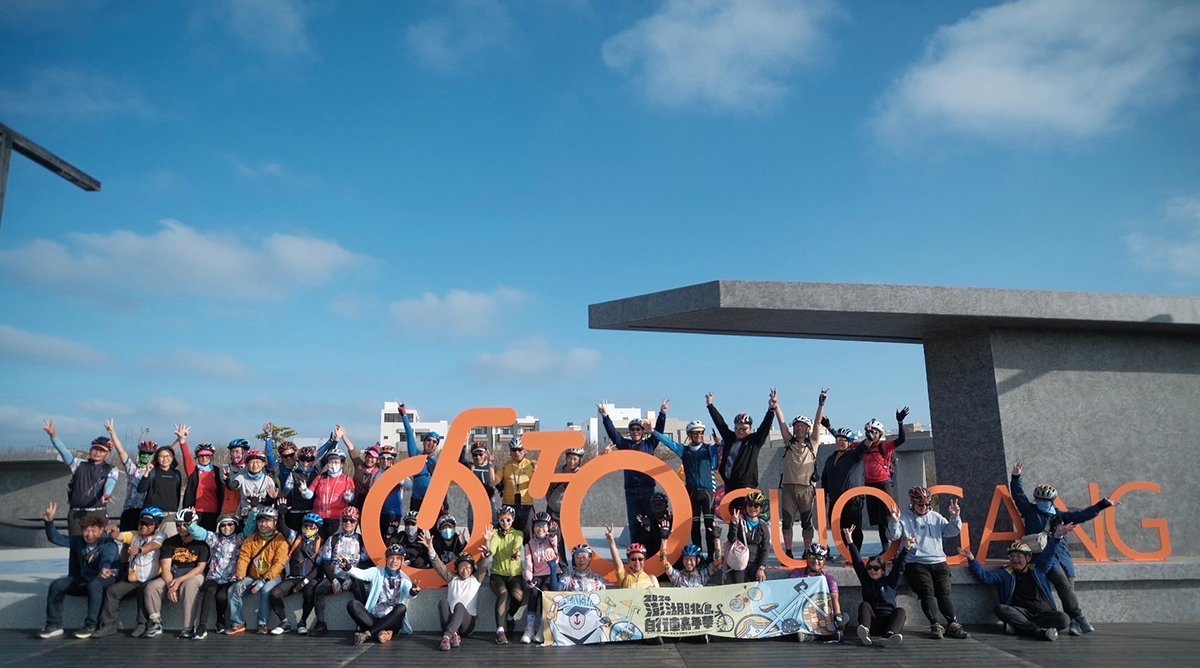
x=919 y=494
x=635 y=548
x=350 y=513
x=256 y=454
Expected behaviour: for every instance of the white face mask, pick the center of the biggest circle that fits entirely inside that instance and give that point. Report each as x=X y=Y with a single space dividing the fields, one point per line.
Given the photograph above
x=447 y=533
x=692 y=447
x=334 y=468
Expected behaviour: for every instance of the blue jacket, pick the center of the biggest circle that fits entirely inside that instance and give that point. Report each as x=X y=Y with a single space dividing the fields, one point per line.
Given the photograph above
x=420 y=481
x=1005 y=581
x=636 y=479
x=699 y=465
x=85 y=565
x=879 y=594
x=1037 y=521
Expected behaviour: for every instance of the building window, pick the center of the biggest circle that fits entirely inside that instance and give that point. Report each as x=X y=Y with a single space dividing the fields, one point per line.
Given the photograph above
x=392 y=417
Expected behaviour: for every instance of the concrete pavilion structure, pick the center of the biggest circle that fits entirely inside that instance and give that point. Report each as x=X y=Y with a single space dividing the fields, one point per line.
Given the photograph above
x=1083 y=387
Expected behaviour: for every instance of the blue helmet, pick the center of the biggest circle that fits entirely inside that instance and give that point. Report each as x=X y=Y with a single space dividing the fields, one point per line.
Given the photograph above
x=154 y=512
x=313 y=518
x=692 y=550
x=582 y=548
x=239 y=443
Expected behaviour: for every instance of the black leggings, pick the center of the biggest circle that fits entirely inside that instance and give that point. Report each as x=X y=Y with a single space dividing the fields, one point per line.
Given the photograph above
x=392 y=621
x=884 y=625
x=1066 y=591
x=931 y=584
x=1029 y=622
x=459 y=621
x=324 y=589
x=851 y=515
x=702 y=514
x=281 y=591
x=214 y=592
x=510 y=592
x=533 y=594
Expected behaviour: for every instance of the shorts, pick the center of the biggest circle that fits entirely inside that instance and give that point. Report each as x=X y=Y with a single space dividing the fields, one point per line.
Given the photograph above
x=797 y=504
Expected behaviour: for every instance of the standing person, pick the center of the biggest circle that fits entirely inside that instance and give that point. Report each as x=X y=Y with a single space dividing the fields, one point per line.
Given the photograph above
x=162 y=483
x=366 y=464
x=94 y=563
x=393 y=505
x=232 y=503
x=572 y=460
x=182 y=561
x=638 y=486
x=256 y=489
x=507 y=546
x=1026 y=603
x=133 y=475
x=303 y=555
x=878 y=614
x=224 y=545
x=879 y=470
x=1041 y=517
x=383 y=613
x=430 y=447
x=539 y=553
x=343 y=549
x=739 y=450
x=797 y=484
x=843 y=472
x=332 y=492
x=926 y=571
x=141 y=566
x=631 y=573
x=260 y=565
x=484 y=469
x=816 y=557
x=514 y=484
x=204 y=490
x=699 y=477
x=753 y=531
x=92 y=481
x=460 y=609
x=296 y=487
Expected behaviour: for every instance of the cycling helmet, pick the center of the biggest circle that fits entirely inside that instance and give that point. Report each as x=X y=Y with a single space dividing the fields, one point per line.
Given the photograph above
x=1045 y=492
x=874 y=424
x=204 y=450
x=756 y=498
x=920 y=494
x=102 y=442
x=154 y=512
x=743 y=418
x=696 y=425
x=313 y=518
x=479 y=449
x=307 y=454
x=582 y=548
x=433 y=435
x=803 y=419
x=268 y=511
x=148 y=446
x=335 y=455
x=387 y=449
x=816 y=550
x=256 y=454
x=286 y=448
x=410 y=517
x=516 y=444
x=637 y=422
x=659 y=499
x=186 y=516
x=635 y=548
x=396 y=550
x=373 y=451
x=541 y=518
x=578 y=452
x=845 y=433
x=239 y=443
x=692 y=550
x=447 y=520
x=507 y=510
x=463 y=558
x=350 y=513
x=1018 y=546
x=228 y=518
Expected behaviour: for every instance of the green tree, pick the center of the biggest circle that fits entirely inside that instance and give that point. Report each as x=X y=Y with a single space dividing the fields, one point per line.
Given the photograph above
x=280 y=433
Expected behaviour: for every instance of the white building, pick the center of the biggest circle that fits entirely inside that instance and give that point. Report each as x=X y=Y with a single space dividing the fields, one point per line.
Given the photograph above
x=391 y=426
x=498 y=438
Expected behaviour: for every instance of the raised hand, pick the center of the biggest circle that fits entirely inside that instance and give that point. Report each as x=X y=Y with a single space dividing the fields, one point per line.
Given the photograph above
x=666 y=404
x=773 y=398
x=1018 y=468
x=953 y=510
x=110 y=427
x=182 y=431
x=901 y=414
x=608 y=531
x=339 y=432
x=911 y=543
x=848 y=532
x=51 y=511
x=403 y=410
x=823 y=396
x=708 y=399
x=1063 y=529
x=602 y=410
x=488 y=532
x=49 y=428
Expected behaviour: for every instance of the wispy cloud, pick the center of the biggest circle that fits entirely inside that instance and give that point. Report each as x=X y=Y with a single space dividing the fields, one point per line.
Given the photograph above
x=1174 y=246
x=459 y=313
x=469 y=28
x=66 y=93
x=722 y=55
x=194 y=362
x=277 y=28
x=178 y=260
x=534 y=360
x=19 y=345
x=1033 y=69
x=272 y=170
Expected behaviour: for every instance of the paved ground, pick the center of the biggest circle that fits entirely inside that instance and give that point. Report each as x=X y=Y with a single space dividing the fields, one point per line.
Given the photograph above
x=1111 y=645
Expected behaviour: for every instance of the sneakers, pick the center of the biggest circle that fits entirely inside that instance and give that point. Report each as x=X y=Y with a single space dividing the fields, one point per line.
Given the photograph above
x=283 y=628
x=186 y=634
x=86 y=631
x=937 y=632
x=445 y=644
x=360 y=637
x=301 y=629
x=526 y=637
x=893 y=640
x=236 y=630
x=221 y=630
x=1084 y=624
x=105 y=630
x=864 y=635
x=263 y=630
x=200 y=634
x=1074 y=629
x=1010 y=630
x=956 y=630
x=139 y=631
x=319 y=629
x=455 y=641
x=50 y=631
x=801 y=636
x=1050 y=634
x=153 y=630
x=501 y=637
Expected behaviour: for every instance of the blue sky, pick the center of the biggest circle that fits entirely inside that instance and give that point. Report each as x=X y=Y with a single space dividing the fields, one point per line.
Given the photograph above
x=312 y=207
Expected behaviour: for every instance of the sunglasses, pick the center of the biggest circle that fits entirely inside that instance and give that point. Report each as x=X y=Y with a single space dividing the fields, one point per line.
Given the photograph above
x=349 y=520
x=818 y=558
x=918 y=504
x=288 y=455
x=874 y=568
x=148 y=523
x=389 y=458
x=636 y=429
x=637 y=558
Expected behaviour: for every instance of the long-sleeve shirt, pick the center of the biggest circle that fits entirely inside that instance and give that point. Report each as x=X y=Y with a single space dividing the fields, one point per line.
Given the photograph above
x=133 y=475
x=508 y=549
x=699 y=464
x=929 y=530
x=262 y=563
x=739 y=457
x=538 y=555
x=1005 y=579
x=329 y=495
x=93 y=500
x=223 y=552
x=843 y=471
x=574 y=580
x=879 y=594
x=421 y=480
x=755 y=538
x=1037 y=521
x=388 y=589
x=163 y=488
x=514 y=479
x=86 y=561
x=635 y=479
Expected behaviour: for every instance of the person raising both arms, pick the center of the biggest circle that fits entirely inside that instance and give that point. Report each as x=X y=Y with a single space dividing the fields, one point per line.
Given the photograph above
x=639 y=487
x=797 y=483
x=740 y=446
x=92 y=480
x=879 y=471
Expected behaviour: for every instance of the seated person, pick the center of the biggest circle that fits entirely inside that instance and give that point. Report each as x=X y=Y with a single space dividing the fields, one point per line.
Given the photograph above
x=878 y=614
x=94 y=562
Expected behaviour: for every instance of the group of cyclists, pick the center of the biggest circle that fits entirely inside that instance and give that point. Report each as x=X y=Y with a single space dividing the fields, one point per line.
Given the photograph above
x=279 y=520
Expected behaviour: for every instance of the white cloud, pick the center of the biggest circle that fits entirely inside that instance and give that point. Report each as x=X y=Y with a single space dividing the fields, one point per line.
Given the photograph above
x=178 y=260
x=459 y=313
x=271 y=170
x=1175 y=247
x=278 y=28
x=192 y=362
x=1038 y=68
x=21 y=346
x=64 y=93
x=725 y=55
x=471 y=27
x=534 y=360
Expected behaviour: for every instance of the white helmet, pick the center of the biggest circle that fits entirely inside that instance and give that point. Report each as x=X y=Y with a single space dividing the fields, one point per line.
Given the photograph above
x=874 y=424
x=696 y=425
x=803 y=419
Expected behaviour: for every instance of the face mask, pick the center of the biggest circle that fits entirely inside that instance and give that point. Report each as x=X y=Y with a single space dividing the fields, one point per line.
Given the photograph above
x=335 y=468
x=410 y=530
x=1047 y=507
x=693 y=448
x=752 y=523
x=309 y=533
x=447 y=533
